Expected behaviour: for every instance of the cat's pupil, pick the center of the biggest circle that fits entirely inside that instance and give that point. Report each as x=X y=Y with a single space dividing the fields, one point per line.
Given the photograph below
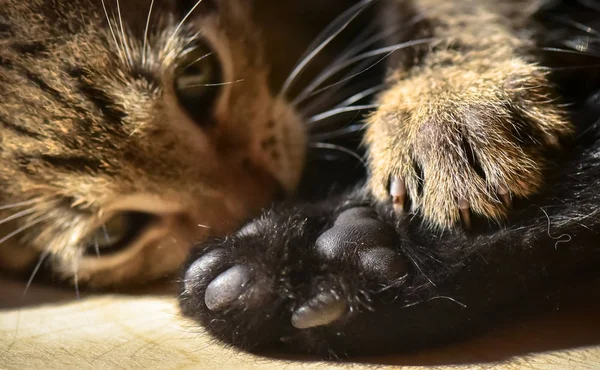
x=117 y=233
x=194 y=76
x=112 y=231
x=197 y=81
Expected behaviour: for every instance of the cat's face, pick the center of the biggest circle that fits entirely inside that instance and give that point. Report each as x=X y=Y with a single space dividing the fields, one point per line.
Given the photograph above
x=127 y=145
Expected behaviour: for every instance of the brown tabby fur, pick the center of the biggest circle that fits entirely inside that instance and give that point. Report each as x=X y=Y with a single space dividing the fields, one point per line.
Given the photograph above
x=476 y=98
x=88 y=130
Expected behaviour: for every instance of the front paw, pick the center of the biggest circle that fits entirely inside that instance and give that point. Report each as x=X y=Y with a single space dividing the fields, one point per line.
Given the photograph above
x=292 y=283
x=463 y=139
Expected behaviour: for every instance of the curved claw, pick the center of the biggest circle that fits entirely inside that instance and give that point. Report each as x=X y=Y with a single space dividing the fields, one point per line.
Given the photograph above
x=398 y=193
x=323 y=309
x=465 y=213
x=504 y=196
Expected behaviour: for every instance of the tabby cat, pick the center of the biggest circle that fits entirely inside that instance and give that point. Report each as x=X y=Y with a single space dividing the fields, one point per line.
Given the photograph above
x=132 y=129
x=124 y=142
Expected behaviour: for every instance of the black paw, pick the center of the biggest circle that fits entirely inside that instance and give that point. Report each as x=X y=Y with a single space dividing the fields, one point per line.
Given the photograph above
x=285 y=280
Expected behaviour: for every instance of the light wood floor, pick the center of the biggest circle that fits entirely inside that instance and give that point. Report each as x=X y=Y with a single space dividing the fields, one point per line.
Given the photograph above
x=50 y=329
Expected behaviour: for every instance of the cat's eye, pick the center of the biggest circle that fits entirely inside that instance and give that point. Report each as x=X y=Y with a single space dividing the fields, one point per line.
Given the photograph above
x=197 y=82
x=117 y=233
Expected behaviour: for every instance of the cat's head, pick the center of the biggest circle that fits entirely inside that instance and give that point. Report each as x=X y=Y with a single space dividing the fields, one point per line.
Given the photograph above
x=130 y=131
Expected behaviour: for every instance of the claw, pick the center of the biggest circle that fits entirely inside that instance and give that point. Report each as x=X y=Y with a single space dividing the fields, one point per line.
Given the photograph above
x=504 y=196
x=465 y=213
x=398 y=193
x=323 y=309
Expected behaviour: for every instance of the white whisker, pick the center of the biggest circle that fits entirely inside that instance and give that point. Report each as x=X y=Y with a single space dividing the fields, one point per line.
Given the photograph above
x=123 y=36
x=362 y=68
x=331 y=27
x=353 y=50
x=19 y=204
x=570 y=68
x=356 y=10
x=361 y=95
x=76 y=279
x=112 y=32
x=199 y=59
x=97 y=246
x=338 y=133
x=105 y=232
x=23 y=228
x=17 y=215
x=215 y=84
x=176 y=31
x=577 y=25
x=387 y=51
x=361 y=44
x=336 y=111
x=565 y=51
x=385 y=34
x=450 y=299
x=359 y=41
x=144 y=48
x=41 y=260
x=328 y=97
x=338 y=148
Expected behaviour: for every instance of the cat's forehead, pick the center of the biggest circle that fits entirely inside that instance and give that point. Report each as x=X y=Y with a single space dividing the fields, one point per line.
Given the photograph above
x=140 y=14
x=70 y=16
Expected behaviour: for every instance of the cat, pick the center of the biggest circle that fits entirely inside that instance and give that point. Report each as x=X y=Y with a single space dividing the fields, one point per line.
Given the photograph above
x=132 y=129
x=481 y=194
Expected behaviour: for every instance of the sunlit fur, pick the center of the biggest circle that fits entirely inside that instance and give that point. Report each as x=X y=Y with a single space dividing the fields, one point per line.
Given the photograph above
x=468 y=116
x=351 y=276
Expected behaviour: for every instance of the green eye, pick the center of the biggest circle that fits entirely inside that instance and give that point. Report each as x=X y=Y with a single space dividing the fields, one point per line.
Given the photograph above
x=112 y=231
x=195 y=76
x=117 y=233
x=197 y=79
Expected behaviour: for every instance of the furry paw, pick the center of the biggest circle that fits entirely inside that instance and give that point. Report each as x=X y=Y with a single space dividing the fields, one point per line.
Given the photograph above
x=454 y=140
x=298 y=282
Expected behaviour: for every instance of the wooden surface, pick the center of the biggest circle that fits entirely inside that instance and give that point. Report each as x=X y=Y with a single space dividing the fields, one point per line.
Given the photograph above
x=50 y=329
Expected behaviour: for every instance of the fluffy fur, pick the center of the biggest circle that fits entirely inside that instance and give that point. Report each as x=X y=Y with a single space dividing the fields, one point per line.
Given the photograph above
x=475 y=114
x=464 y=125
x=350 y=276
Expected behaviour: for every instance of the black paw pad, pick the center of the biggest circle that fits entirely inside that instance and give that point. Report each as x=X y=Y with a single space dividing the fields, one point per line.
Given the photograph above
x=357 y=234
x=385 y=263
x=323 y=309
